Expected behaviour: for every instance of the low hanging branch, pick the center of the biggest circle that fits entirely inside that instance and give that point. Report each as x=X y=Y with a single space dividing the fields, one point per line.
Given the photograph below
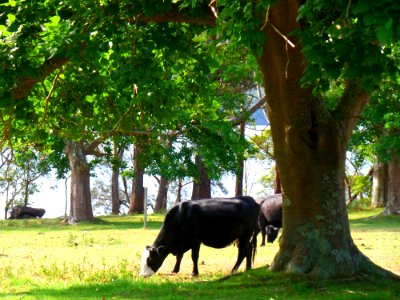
x=248 y=112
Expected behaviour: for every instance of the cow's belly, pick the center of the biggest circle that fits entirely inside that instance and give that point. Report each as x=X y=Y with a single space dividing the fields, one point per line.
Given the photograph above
x=217 y=243
x=219 y=240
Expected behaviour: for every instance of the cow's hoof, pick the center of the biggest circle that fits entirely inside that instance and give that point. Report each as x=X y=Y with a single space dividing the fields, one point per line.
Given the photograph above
x=194 y=274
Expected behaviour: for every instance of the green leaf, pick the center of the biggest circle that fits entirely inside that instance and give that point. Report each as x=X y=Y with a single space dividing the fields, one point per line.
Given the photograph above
x=11 y=18
x=11 y=3
x=89 y=98
x=389 y=24
x=384 y=34
x=55 y=20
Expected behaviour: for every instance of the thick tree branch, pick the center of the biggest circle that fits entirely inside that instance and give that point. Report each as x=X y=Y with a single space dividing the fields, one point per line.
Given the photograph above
x=248 y=112
x=25 y=84
x=92 y=149
x=205 y=16
x=352 y=102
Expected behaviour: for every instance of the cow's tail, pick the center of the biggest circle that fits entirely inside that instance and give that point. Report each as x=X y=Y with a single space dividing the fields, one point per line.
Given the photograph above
x=253 y=243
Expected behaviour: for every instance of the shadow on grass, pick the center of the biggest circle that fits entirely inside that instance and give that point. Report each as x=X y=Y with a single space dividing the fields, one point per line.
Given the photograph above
x=125 y=223
x=377 y=222
x=100 y=223
x=254 y=284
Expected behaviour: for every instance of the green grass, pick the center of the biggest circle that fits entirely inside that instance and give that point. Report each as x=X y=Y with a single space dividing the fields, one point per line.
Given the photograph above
x=45 y=259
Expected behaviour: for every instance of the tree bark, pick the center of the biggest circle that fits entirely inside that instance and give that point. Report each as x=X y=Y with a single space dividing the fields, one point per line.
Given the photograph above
x=277 y=181
x=179 y=191
x=393 y=203
x=80 y=200
x=310 y=145
x=136 y=204
x=380 y=184
x=240 y=166
x=162 y=195
x=201 y=186
x=115 y=198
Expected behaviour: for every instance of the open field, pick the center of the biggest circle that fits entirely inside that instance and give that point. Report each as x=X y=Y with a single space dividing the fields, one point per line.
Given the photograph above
x=44 y=259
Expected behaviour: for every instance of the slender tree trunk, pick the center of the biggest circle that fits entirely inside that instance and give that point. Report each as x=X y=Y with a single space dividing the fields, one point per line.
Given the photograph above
x=240 y=166
x=179 y=191
x=201 y=187
x=380 y=184
x=162 y=195
x=393 y=203
x=26 y=184
x=136 y=204
x=115 y=199
x=310 y=145
x=80 y=206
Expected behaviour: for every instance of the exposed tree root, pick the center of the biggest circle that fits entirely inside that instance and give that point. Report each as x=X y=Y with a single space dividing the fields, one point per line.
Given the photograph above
x=358 y=267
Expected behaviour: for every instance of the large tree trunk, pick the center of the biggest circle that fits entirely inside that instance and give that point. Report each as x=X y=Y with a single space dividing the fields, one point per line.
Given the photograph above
x=136 y=204
x=80 y=200
x=380 y=184
x=310 y=145
x=201 y=186
x=115 y=198
x=162 y=195
x=393 y=203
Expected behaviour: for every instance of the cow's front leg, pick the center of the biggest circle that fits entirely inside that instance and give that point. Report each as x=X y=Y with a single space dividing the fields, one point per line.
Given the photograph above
x=263 y=231
x=195 y=258
x=179 y=257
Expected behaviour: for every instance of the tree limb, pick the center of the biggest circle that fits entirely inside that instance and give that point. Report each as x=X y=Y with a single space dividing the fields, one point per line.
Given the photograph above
x=175 y=14
x=25 y=84
x=351 y=104
x=248 y=112
x=92 y=149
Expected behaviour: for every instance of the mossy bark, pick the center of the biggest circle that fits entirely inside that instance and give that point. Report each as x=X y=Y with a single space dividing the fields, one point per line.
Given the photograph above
x=310 y=145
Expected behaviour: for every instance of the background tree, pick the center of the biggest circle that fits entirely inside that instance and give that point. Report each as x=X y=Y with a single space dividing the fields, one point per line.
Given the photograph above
x=378 y=134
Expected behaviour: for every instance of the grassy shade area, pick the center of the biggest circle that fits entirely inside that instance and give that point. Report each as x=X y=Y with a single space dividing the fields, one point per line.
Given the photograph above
x=46 y=259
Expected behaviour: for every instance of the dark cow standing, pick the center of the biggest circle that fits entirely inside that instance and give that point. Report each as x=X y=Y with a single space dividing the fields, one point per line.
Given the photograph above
x=216 y=223
x=270 y=218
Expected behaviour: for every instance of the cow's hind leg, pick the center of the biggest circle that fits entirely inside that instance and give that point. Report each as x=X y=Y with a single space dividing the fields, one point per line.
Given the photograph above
x=178 y=263
x=195 y=258
x=243 y=251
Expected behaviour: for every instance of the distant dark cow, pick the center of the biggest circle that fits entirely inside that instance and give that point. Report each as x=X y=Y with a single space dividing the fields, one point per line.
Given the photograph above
x=270 y=218
x=26 y=212
x=216 y=223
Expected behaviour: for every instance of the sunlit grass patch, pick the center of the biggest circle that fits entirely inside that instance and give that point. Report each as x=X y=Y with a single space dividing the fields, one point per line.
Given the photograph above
x=46 y=259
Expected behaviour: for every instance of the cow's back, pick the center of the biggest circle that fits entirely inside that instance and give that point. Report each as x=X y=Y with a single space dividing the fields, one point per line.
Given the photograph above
x=271 y=209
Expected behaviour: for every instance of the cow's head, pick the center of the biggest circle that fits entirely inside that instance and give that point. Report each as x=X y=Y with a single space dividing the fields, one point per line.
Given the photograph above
x=152 y=259
x=272 y=233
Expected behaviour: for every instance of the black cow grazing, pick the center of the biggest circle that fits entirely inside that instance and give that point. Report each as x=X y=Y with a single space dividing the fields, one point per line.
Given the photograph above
x=216 y=223
x=270 y=218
